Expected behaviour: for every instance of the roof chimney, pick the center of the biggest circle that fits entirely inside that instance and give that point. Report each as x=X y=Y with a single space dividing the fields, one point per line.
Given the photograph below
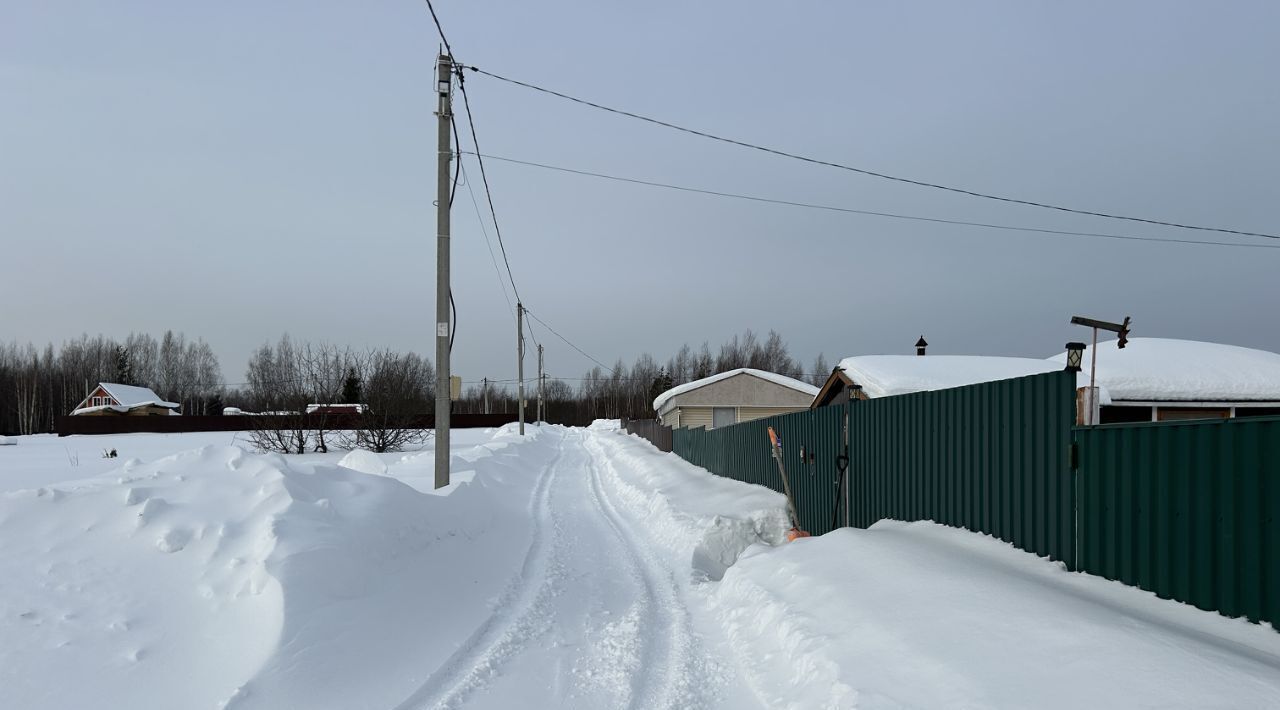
x=920 y=346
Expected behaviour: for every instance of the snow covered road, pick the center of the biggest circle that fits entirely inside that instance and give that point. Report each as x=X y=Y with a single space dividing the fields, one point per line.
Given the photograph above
x=597 y=617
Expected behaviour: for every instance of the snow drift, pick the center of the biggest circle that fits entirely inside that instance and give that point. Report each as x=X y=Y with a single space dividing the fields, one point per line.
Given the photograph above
x=220 y=578
x=706 y=519
x=921 y=615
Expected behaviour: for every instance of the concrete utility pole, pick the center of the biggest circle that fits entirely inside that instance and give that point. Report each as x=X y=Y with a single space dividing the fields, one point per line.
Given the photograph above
x=520 y=362
x=541 y=378
x=444 y=114
x=486 y=395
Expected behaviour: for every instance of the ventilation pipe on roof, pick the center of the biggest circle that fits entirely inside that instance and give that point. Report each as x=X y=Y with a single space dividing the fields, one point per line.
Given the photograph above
x=920 y=346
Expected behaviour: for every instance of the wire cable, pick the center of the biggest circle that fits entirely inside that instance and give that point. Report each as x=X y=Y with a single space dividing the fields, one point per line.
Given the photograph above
x=489 y=243
x=892 y=215
x=864 y=171
x=439 y=29
x=484 y=177
x=570 y=344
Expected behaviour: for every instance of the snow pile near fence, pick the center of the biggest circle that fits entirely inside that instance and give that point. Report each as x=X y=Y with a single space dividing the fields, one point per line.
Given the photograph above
x=703 y=518
x=220 y=578
x=921 y=615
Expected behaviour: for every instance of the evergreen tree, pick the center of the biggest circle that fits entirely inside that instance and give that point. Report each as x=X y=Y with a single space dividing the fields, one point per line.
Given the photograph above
x=124 y=366
x=351 y=387
x=661 y=384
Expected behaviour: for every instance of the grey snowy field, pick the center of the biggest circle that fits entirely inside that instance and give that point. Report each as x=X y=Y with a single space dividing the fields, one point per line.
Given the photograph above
x=571 y=568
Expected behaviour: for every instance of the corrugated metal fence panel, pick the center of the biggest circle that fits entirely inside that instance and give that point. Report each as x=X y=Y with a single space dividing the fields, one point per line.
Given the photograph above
x=1186 y=510
x=992 y=457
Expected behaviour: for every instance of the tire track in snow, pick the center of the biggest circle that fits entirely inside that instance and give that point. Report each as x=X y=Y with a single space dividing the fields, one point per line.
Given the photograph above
x=519 y=614
x=666 y=676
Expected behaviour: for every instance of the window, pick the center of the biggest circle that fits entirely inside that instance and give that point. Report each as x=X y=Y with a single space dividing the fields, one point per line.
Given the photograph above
x=1168 y=414
x=723 y=416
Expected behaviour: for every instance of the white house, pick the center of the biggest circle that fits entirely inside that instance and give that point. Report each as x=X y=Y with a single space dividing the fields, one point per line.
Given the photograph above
x=731 y=397
x=109 y=398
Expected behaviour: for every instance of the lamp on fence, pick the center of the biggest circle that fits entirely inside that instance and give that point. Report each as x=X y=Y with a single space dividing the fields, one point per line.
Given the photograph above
x=1075 y=356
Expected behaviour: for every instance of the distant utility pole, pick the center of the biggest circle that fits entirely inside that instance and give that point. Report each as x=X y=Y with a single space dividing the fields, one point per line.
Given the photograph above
x=486 y=395
x=520 y=362
x=444 y=155
x=541 y=378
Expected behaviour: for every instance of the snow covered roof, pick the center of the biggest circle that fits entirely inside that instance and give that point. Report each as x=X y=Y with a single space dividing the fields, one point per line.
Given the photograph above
x=129 y=397
x=773 y=377
x=1163 y=369
x=889 y=375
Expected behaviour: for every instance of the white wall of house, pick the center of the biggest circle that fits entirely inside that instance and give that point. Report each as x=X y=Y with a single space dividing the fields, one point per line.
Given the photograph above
x=693 y=417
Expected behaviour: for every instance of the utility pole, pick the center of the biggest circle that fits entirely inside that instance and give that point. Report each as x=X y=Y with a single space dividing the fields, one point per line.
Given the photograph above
x=541 y=379
x=520 y=362
x=444 y=155
x=486 y=395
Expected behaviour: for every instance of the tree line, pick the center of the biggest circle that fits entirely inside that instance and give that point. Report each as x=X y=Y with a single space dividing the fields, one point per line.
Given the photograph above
x=629 y=390
x=37 y=385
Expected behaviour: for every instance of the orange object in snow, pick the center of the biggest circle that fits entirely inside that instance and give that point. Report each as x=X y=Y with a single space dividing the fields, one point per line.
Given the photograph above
x=795 y=531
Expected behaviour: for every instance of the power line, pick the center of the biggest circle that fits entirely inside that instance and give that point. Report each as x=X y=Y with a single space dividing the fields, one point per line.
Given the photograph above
x=566 y=340
x=488 y=243
x=864 y=171
x=892 y=215
x=532 y=337
x=484 y=177
x=439 y=29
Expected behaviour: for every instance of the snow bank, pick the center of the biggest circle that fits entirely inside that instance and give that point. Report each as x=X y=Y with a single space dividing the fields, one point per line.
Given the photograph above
x=920 y=615
x=705 y=519
x=364 y=462
x=113 y=586
x=220 y=578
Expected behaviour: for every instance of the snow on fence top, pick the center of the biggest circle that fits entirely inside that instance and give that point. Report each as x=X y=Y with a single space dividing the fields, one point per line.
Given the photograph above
x=1163 y=369
x=890 y=375
x=762 y=374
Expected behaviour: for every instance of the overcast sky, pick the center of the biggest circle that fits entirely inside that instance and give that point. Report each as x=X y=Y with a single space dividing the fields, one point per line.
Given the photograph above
x=238 y=169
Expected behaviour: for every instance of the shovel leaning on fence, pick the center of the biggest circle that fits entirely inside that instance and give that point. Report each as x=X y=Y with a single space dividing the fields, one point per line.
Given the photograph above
x=776 y=445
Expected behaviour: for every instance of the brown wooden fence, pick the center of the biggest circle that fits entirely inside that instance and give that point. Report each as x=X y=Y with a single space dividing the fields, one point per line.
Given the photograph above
x=651 y=431
x=68 y=426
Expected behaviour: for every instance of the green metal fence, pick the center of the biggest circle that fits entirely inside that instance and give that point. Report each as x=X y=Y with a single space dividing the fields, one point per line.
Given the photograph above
x=1186 y=510
x=742 y=452
x=993 y=457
